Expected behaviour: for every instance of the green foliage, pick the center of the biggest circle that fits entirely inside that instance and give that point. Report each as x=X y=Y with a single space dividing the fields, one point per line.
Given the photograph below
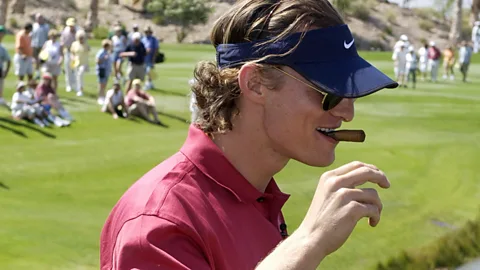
x=342 y=5
x=388 y=30
x=183 y=13
x=428 y=13
x=391 y=17
x=361 y=11
x=100 y=32
x=13 y=22
x=451 y=251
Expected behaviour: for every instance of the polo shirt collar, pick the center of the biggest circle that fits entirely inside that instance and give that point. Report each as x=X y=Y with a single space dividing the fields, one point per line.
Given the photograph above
x=211 y=161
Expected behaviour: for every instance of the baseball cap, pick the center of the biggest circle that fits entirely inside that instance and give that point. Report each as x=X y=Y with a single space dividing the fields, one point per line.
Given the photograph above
x=136 y=35
x=137 y=82
x=432 y=43
x=327 y=57
x=2 y=29
x=404 y=37
x=21 y=84
x=116 y=81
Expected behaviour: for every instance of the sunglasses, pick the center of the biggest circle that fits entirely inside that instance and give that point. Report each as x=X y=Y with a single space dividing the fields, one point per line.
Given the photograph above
x=329 y=101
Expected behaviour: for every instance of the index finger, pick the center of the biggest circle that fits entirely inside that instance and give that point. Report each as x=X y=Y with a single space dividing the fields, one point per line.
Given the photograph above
x=362 y=175
x=350 y=167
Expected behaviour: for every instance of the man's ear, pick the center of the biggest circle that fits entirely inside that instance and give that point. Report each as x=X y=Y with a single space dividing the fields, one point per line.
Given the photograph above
x=250 y=83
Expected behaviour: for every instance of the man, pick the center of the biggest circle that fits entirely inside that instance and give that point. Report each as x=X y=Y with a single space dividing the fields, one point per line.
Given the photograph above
x=114 y=102
x=5 y=63
x=141 y=104
x=151 y=45
x=136 y=54
x=66 y=40
x=412 y=62
x=24 y=53
x=215 y=204
x=135 y=29
x=476 y=36
x=434 y=55
x=464 y=58
x=423 y=59
x=39 y=37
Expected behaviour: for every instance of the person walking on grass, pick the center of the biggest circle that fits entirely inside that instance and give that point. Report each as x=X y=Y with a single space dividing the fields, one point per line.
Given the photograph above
x=141 y=104
x=448 y=63
x=66 y=40
x=286 y=72
x=400 y=63
x=22 y=106
x=103 y=69
x=23 y=53
x=412 y=66
x=5 y=63
x=80 y=53
x=114 y=102
x=151 y=46
x=136 y=54
x=464 y=59
x=434 y=56
x=476 y=36
x=40 y=35
x=52 y=56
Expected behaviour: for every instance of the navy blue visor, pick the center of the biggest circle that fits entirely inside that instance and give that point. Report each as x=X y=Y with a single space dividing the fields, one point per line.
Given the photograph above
x=326 y=57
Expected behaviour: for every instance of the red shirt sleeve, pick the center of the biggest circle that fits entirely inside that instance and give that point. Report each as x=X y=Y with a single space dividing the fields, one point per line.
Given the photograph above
x=149 y=242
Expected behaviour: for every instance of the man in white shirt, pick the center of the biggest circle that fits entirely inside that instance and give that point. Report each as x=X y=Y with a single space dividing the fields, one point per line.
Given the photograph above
x=464 y=58
x=114 y=102
x=22 y=106
x=476 y=36
x=423 y=61
x=400 y=63
x=39 y=37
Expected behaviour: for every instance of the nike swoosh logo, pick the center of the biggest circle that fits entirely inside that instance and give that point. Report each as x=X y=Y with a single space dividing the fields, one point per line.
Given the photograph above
x=349 y=45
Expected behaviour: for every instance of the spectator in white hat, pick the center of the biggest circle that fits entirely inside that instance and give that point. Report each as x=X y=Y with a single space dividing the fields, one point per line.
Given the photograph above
x=412 y=66
x=66 y=40
x=22 y=106
x=434 y=55
x=476 y=36
x=136 y=53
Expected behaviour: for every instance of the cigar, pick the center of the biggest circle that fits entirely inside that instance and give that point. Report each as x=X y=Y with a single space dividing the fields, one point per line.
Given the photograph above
x=347 y=135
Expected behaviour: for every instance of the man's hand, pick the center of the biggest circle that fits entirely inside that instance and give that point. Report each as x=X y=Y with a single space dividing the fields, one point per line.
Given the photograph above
x=338 y=205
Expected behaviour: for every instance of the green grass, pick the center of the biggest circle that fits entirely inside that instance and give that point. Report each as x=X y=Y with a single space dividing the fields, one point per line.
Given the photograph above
x=60 y=184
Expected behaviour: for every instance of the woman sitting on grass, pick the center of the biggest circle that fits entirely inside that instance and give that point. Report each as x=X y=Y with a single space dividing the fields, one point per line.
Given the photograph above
x=43 y=110
x=22 y=106
x=48 y=95
x=141 y=104
x=114 y=102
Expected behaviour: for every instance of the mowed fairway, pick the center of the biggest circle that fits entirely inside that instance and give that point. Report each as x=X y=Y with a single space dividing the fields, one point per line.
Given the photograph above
x=57 y=186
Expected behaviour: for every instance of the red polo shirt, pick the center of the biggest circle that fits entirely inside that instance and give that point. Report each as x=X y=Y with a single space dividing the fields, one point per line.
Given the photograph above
x=193 y=211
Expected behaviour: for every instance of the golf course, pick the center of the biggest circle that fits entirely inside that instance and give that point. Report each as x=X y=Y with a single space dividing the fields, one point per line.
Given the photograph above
x=58 y=185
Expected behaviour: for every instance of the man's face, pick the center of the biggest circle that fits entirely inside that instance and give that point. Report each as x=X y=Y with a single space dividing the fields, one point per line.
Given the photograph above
x=136 y=41
x=148 y=33
x=116 y=87
x=291 y=115
x=137 y=87
x=40 y=19
x=47 y=81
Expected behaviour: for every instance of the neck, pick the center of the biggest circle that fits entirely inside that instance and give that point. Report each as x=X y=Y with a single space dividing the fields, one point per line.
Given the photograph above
x=250 y=155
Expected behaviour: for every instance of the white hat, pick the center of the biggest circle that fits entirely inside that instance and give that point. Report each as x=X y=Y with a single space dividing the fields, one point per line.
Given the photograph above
x=477 y=23
x=404 y=38
x=136 y=35
x=21 y=84
x=432 y=43
x=411 y=49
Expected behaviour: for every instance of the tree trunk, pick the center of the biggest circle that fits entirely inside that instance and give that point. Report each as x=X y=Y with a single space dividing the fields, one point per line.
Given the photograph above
x=112 y=2
x=3 y=11
x=475 y=10
x=456 y=29
x=18 y=7
x=92 y=16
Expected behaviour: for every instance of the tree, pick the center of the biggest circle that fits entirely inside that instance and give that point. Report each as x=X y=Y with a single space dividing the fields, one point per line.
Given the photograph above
x=92 y=16
x=475 y=11
x=3 y=11
x=183 y=13
x=456 y=28
x=18 y=7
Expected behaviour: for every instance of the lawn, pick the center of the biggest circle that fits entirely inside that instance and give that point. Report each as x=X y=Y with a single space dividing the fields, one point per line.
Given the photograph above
x=57 y=186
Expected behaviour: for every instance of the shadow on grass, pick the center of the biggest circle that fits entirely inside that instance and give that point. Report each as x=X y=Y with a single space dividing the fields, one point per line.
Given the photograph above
x=21 y=124
x=16 y=132
x=2 y=185
x=174 y=117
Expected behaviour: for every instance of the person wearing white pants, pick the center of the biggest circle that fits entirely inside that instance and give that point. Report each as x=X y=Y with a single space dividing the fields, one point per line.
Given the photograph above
x=476 y=37
x=80 y=52
x=66 y=40
x=434 y=56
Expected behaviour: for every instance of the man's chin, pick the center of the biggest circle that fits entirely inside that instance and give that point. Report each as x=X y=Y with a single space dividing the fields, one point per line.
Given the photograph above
x=319 y=161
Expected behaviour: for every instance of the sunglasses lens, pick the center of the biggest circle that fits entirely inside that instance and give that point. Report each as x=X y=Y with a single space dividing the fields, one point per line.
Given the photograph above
x=331 y=101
